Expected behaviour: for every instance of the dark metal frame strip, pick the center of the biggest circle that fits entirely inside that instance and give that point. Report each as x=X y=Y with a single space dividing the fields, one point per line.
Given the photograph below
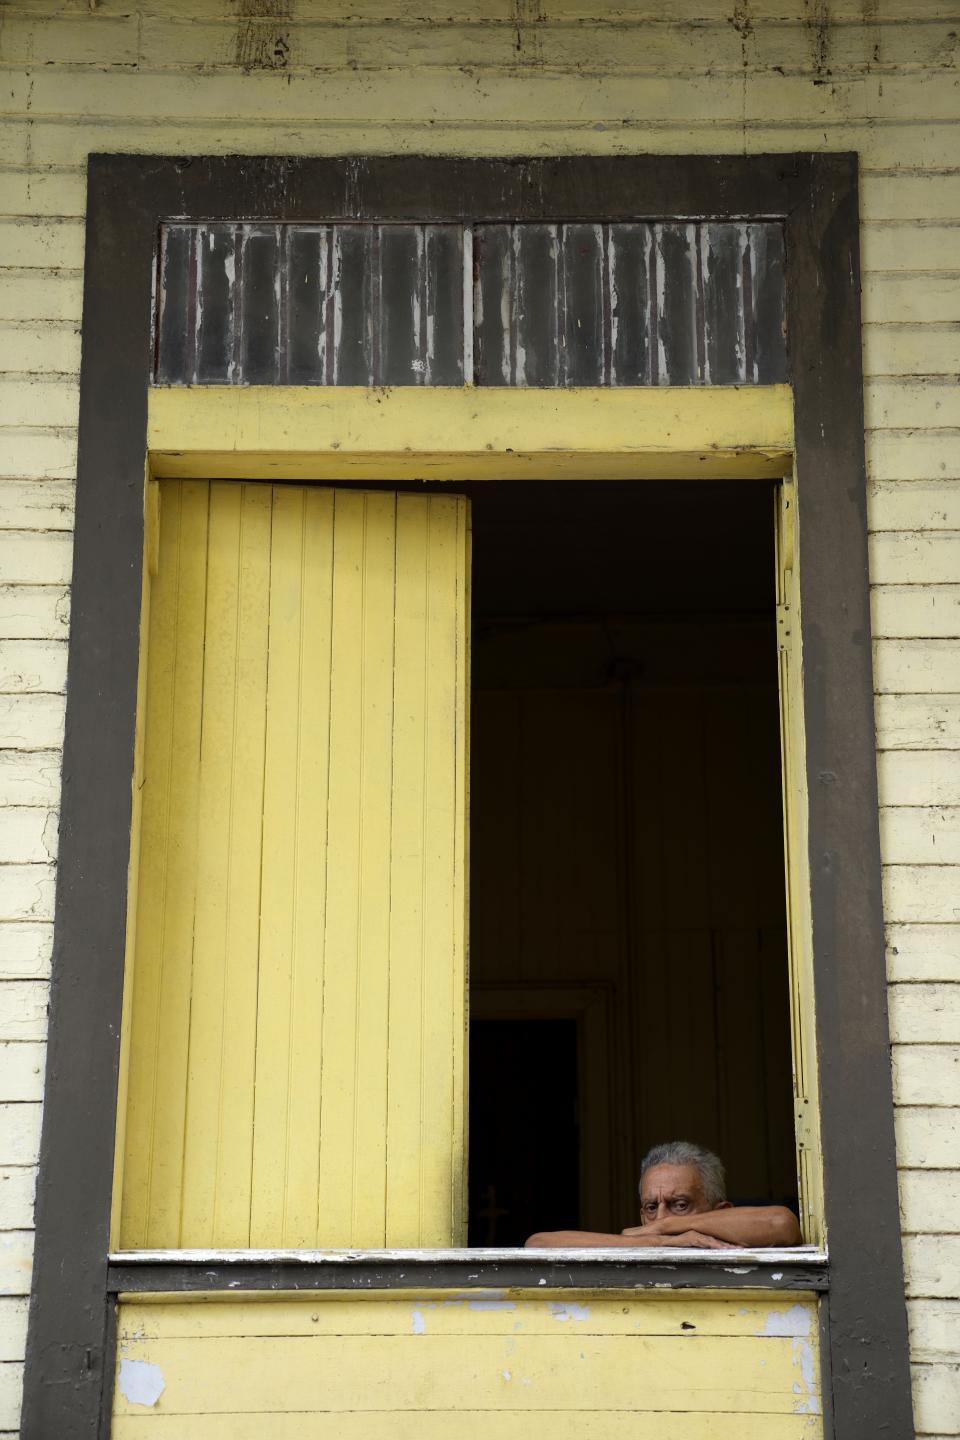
x=69 y=1349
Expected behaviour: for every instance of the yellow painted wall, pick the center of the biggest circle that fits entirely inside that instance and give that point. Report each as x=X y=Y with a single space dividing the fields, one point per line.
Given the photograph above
x=298 y=997
x=493 y=1366
x=501 y=77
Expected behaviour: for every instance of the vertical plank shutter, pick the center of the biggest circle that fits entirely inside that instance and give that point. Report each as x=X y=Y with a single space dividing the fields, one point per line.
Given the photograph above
x=298 y=998
x=799 y=928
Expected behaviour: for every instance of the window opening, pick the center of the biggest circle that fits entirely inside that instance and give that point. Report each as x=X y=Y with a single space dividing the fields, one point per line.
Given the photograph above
x=627 y=876
x=629 y=971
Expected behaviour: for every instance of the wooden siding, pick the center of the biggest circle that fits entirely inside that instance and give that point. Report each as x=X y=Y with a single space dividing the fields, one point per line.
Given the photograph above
x=298 y=969
x=501 y=1365
x=489 y=77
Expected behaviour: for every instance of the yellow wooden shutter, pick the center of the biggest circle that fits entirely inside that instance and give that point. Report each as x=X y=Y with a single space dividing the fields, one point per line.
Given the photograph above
x=799 y=925
x=296 y=1030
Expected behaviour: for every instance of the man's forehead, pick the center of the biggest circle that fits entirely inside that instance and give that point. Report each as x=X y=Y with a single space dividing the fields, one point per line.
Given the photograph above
x=671 y=1179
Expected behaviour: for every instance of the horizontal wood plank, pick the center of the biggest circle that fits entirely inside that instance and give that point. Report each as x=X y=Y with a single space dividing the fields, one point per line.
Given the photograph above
x=919 y=778
x=917 y=835
x=934 y=1330
x=32 y=557
x=29 y=777
x=926 y=1074
x=917 y=666
x=18 y=1185
x=930 y=1201
x=16 y=1262
x=924 y=1013
x=471 y=1425
x=34 y=724
x=27 y=834
x=936 y=1398
x=34 y=612
x=926 y=1137
x=36 y=295
x=21 y=1069
x=930 y=1264
x=912 y=505
x=19 y=1135
x=917 y=722
x=23 y=1015
x=36 y=504
x=912 y=557
x=921 y=892
x=38 y=454
x=913 y=611
x=923 y=952
x=26 y=893
x=33 y=667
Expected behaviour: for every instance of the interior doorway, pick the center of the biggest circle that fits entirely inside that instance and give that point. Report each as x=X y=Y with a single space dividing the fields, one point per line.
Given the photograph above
x=629 y=978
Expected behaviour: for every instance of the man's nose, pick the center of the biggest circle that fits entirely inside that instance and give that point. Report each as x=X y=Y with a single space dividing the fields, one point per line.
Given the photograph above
x=662 y=1210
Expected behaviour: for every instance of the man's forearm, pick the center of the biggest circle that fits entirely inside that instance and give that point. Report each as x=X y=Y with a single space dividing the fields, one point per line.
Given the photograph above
x=595 y=1240
x=745 y=1225
x=582 y=1239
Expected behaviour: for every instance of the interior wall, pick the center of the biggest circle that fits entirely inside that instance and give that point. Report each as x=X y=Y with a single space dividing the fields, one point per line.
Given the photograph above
x=626 y=823
x=628 y=838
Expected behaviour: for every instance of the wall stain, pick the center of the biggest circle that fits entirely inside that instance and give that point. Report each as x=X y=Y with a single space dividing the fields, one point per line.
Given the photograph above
x=528 y=18
x=871 y=22
x=742 y=22
x=818 y=23
x=263 y=35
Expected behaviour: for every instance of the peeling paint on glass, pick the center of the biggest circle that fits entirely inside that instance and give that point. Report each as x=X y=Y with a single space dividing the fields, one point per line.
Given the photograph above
x=545 y=305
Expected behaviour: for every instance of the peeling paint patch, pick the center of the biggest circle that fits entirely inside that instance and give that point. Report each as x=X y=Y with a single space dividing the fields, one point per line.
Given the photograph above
x=803 y=1356
x=568 y=1310
x=140 y=1382
x=417 y=1322
x=491 y=1305
x=795 y=1321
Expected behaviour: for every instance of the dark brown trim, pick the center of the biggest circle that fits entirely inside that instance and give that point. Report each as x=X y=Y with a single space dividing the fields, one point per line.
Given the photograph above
x=69 y=1343
x=469 y=1273
x=868 y=1334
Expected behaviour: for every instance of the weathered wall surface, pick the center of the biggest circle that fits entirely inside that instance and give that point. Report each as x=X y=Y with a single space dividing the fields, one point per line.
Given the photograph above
x=500 y=77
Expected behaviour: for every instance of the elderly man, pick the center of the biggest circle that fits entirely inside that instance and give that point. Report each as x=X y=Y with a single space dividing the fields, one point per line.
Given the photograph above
x=683 y=1201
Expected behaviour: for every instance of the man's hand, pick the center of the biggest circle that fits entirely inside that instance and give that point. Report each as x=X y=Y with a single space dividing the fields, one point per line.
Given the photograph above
x=690 y=1239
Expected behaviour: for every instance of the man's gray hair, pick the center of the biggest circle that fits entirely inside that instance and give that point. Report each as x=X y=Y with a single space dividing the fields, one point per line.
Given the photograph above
x=683 y=1152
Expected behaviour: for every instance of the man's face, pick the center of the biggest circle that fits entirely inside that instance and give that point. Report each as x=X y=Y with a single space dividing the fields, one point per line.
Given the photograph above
x=671 y=1190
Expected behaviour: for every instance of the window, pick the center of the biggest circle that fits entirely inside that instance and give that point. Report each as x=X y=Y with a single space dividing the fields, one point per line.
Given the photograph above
x=70 y=1344
x=297 y=1065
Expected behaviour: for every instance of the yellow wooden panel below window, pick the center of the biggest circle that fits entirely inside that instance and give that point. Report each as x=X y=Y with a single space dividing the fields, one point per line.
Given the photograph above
x=600 y=1365
x=298 y=999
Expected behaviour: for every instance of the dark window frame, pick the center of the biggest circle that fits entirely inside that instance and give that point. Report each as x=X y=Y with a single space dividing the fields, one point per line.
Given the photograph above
x=70 y=1349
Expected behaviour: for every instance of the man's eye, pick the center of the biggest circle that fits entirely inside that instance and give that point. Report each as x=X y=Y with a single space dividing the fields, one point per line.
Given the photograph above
x=679 y=1205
